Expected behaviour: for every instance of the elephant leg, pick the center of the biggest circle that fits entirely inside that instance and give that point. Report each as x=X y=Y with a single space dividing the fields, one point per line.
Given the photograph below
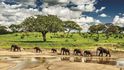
x=109 y=54
x=99 y=54
x=36 y=51
x=84 y=54
x=102 y=54
x=20 y=49
x=14 y=49
x=63 y=52
x=106 y=54
x=68 y=53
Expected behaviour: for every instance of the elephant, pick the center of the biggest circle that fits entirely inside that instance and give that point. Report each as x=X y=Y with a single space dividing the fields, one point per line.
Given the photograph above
x=65 y=51
x=87 y=53
x=77 y=52
x=15 y=48
x=37 y=49
x=53 y=50
x=101 y=51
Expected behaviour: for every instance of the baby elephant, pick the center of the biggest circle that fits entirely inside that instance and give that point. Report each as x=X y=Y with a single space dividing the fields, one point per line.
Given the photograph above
x=53 y=50
x=37 y=50
x=77 y=52
x=65 y=51
x=87 y=53
x=15 y=48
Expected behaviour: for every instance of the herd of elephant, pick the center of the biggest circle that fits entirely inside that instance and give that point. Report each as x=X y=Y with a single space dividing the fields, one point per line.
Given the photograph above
x=100 y=51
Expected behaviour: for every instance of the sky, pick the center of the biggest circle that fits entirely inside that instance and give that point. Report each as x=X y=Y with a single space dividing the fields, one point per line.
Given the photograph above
x=83 y=12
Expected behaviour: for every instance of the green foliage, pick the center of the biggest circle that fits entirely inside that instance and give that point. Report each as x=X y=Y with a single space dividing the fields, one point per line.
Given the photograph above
x=43 y=24
x=112 y=29
x=96 y=28
x=75 y=42
x=71 y=25
x=15 y=28
x=3 y=30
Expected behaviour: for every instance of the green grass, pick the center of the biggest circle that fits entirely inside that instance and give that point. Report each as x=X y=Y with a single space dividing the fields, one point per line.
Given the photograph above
x=35 y=39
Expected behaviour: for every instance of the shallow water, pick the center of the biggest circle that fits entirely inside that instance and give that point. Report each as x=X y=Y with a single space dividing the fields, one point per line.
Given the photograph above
x=99 y=60
x=30 y=62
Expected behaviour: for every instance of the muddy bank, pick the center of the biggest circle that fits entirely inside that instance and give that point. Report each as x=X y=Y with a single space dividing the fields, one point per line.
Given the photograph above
x=73 y=66
x=28 y=60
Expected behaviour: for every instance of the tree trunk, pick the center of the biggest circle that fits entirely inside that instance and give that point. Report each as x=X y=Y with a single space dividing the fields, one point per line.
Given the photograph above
x=68 y=33
x=44 y=36
x=98 y=34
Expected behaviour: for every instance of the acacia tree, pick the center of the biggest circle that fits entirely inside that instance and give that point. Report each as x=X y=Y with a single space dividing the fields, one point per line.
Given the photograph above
x=97 y=28
x=43 y=24
x=15 y=28
x=71 y=25
x=111 y=30
x=3 y=29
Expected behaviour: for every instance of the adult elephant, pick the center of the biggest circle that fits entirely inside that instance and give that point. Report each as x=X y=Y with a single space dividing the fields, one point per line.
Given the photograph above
x=15 y=48
x=65 y=51
x=101 y=51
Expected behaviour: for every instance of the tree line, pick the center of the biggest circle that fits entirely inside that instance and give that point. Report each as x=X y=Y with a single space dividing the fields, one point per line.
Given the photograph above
x=51 y=23
x=44 y=24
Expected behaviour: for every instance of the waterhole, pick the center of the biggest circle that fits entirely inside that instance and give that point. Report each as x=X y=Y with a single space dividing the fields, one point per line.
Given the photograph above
x=30 y=62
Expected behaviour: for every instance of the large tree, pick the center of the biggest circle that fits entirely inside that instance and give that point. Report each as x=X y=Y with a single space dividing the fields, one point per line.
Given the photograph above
x=111 y=30
x=15 y=28
x=71 y=25
x=3 y=29
x=96 y=29
x=43 y=24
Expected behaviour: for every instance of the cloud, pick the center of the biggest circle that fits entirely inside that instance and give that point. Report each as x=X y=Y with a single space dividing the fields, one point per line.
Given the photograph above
x=123 y=14
x=103 y=15
x=119 y=21
x=62 y=12
x=68 y=13
x=15 y=14
x=100 y=10
x=81 y=5
x=11 y=14
x=86 y=21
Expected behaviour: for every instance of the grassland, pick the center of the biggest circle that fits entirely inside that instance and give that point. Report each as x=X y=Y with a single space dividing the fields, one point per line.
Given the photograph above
x=30 y=40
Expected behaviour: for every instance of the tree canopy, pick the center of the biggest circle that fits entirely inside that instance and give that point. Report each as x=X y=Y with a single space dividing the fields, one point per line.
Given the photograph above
x=71 y=25
x=15 y=28
x=3 y=29
x=43 y=24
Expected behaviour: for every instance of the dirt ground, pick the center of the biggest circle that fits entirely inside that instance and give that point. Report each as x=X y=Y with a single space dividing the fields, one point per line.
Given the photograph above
x=74 y=66
x=58 y=65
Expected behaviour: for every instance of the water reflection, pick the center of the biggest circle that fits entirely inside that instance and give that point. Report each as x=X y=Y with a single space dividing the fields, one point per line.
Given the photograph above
x=99 y=60
x=37 y=60
x=65 y=58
